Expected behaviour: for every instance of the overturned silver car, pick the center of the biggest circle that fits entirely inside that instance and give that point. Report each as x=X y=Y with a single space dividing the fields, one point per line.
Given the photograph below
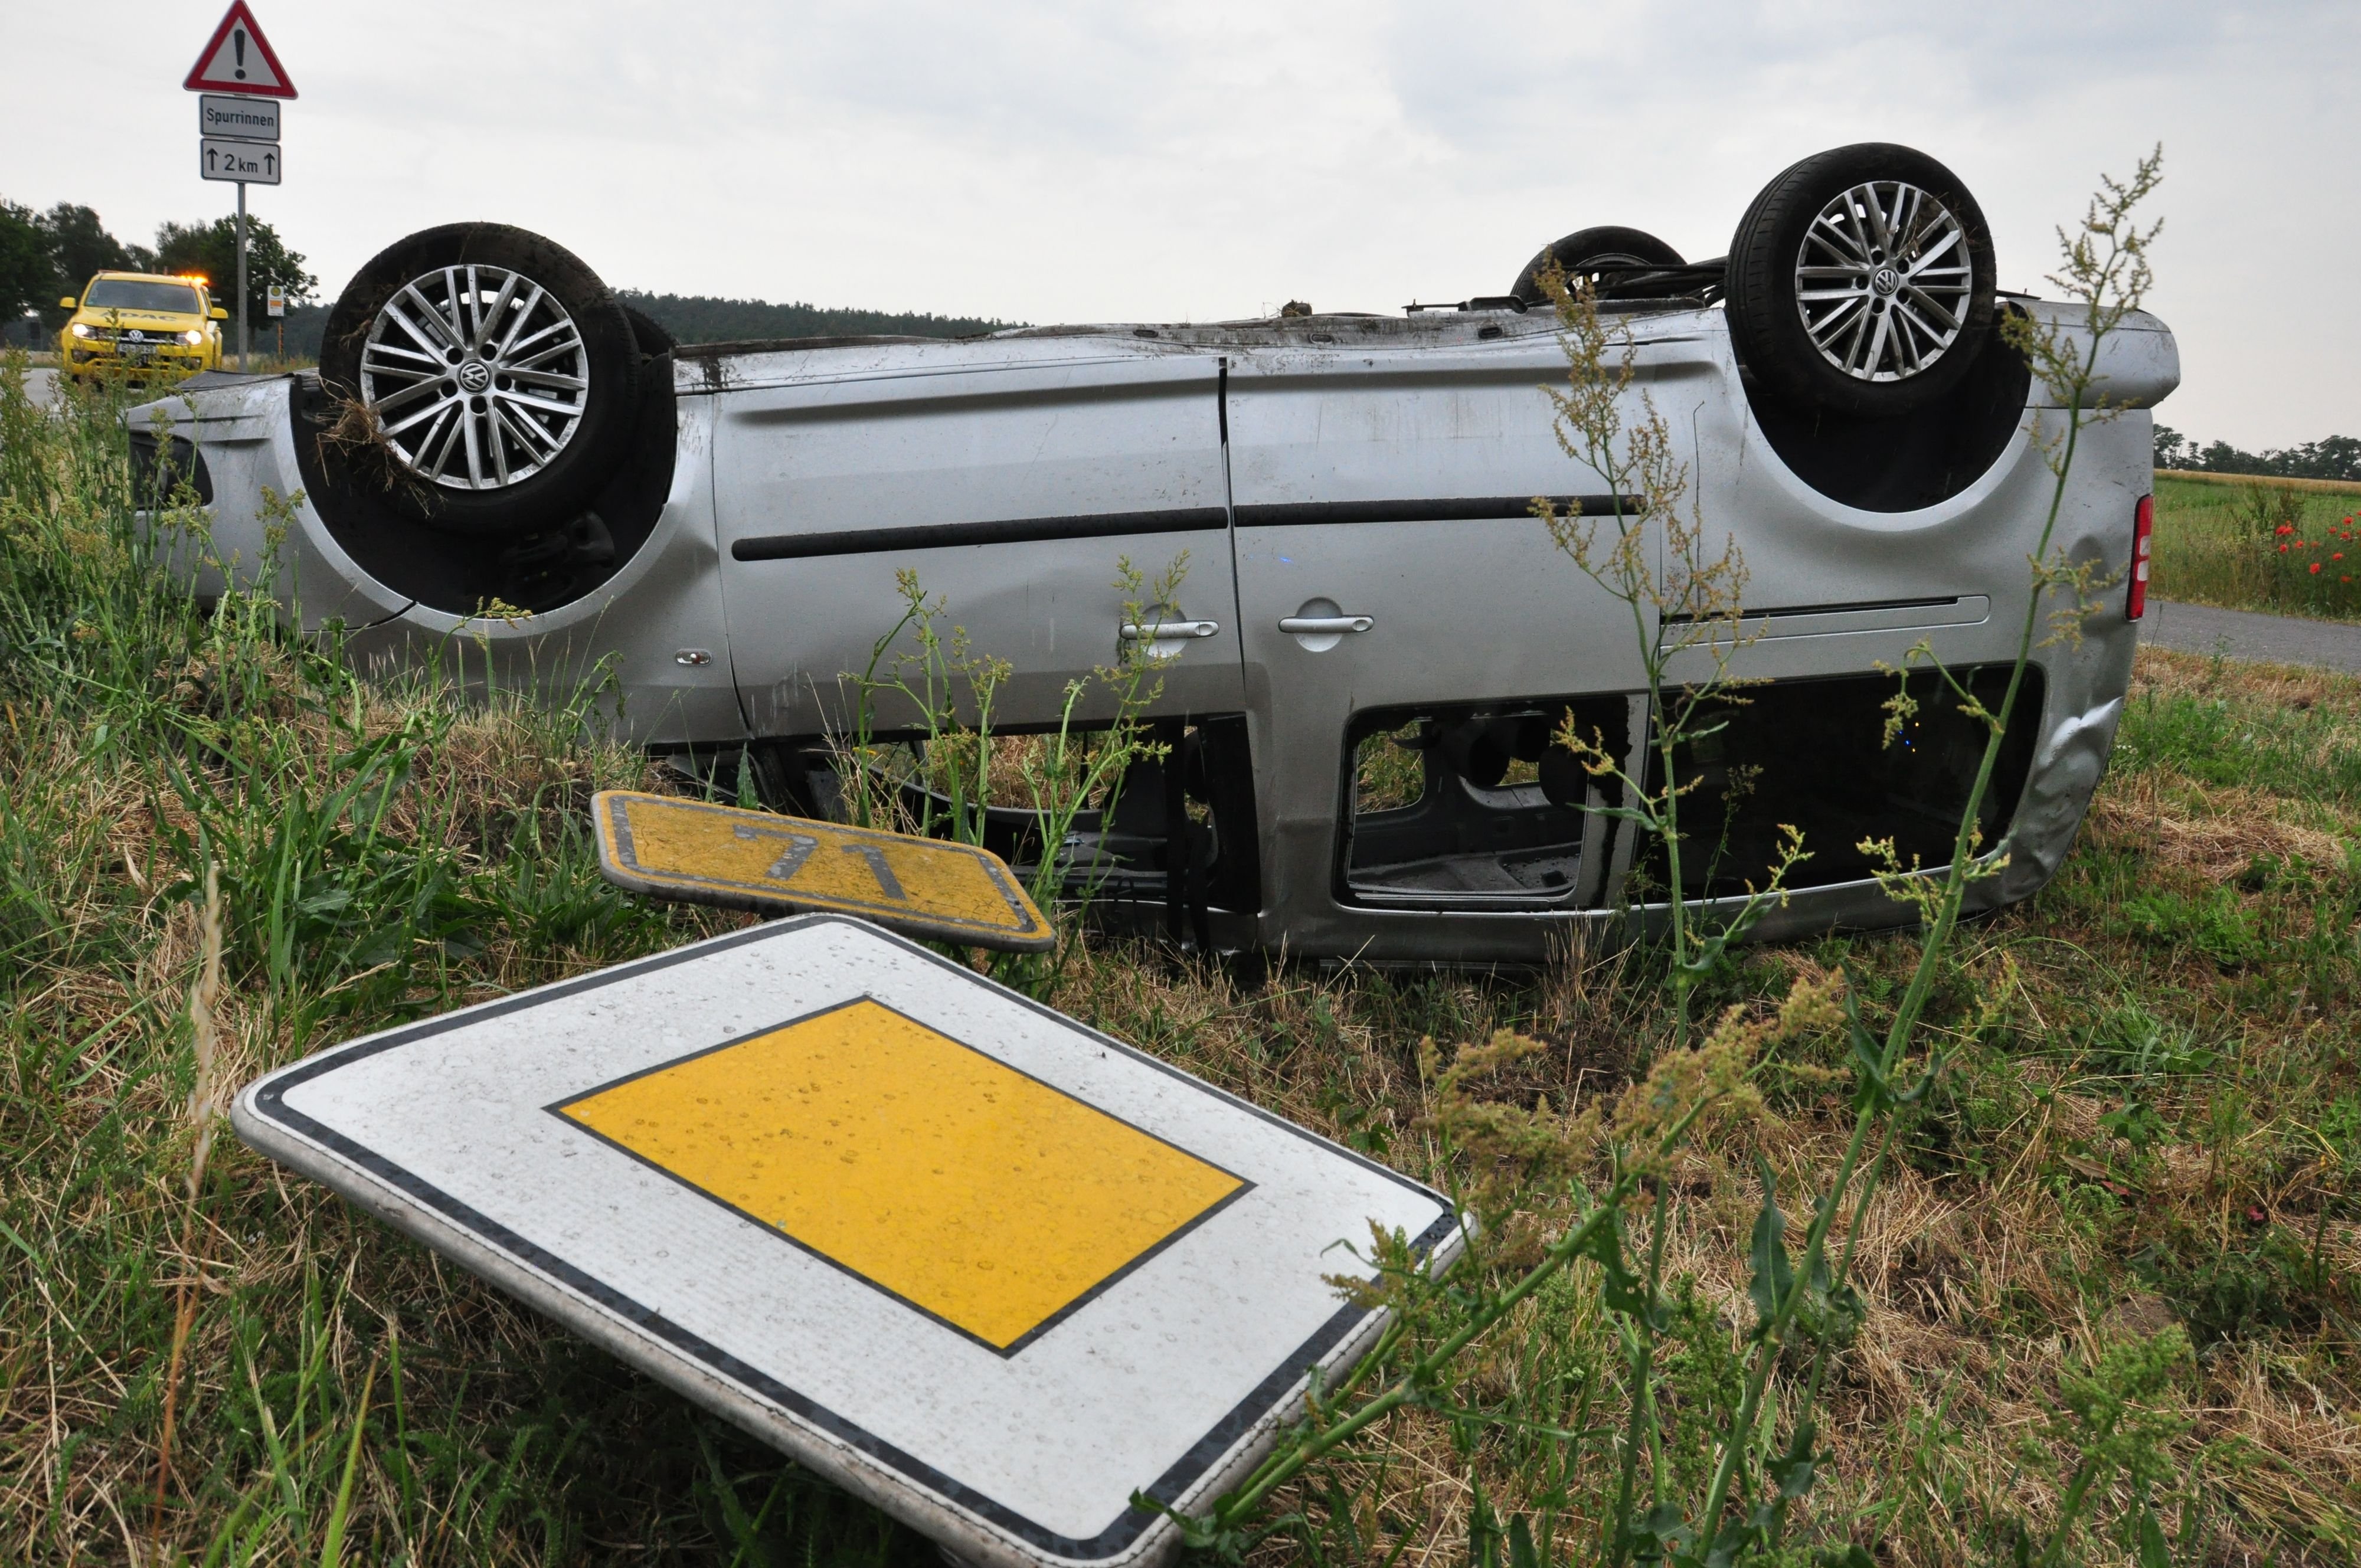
x=1374 y=638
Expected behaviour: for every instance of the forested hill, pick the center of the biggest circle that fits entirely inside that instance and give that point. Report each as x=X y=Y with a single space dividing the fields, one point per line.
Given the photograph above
x=696 y=318
x=691 y=318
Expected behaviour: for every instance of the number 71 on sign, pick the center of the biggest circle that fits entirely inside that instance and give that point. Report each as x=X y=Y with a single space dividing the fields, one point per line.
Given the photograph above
x=690 y=851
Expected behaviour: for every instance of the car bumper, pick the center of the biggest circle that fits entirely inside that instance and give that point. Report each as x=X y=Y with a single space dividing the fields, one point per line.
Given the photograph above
x=88 y=361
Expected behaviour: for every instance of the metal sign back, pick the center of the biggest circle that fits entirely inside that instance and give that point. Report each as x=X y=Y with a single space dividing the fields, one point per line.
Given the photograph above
x=701 y=854
x=987 y=1268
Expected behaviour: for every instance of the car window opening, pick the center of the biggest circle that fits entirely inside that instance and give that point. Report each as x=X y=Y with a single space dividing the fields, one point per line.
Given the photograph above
x=1198 y=797
x=1810 y=753
x=1475 y=805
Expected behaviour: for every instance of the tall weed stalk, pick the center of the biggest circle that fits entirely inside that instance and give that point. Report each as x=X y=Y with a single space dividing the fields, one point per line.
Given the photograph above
x=962 y=770
x=1715 y=1452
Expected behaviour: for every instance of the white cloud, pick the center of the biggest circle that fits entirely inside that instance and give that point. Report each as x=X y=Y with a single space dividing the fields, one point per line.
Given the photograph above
x=1058 y=162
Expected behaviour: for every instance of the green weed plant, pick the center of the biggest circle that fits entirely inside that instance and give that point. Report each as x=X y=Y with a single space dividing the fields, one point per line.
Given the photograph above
x=1706 y=1455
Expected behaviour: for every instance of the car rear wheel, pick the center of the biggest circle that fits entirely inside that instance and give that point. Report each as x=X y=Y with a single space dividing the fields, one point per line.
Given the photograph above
x=1862 y=281
x=500 y=374
x=1586 y=254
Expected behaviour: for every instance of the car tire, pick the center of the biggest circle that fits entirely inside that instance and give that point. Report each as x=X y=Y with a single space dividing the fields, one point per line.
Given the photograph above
x=1586 y=252
x=485 y=428
x=1829 y=308
x=651 y=335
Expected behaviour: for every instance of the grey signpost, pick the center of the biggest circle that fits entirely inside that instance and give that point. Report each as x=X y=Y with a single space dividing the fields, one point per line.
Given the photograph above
x=241 y=82
x=244 y=162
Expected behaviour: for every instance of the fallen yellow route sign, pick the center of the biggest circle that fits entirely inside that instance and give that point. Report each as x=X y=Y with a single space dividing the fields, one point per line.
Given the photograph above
x=758 y=860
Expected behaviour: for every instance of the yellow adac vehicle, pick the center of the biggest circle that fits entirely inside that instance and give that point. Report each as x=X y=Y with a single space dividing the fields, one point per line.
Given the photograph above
x=141 y=324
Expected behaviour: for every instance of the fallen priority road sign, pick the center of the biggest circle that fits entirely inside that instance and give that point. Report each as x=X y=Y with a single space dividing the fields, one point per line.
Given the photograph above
x=690 y=850
x=987 y=1268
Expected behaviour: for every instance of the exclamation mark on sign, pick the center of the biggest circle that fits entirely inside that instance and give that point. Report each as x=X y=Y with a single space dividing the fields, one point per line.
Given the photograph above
x=237 y=42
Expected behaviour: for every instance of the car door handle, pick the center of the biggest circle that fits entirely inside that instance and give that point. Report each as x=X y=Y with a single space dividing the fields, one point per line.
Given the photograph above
x=1323 y=625
x=1169 y=631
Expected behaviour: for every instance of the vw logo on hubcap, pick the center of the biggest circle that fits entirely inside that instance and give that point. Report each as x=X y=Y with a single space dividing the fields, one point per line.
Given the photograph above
x=475 y=374
x=1885 y=281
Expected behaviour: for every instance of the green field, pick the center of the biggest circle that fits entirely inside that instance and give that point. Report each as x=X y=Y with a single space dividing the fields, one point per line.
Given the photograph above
x=2149 y=1116
x=2217 y=543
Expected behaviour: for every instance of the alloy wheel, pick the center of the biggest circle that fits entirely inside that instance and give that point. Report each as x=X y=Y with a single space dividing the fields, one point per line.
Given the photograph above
x=478 y=374
x=1883 y=280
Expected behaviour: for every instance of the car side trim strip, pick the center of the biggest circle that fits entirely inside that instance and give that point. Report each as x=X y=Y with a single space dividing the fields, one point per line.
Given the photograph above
x=1464 y=509
x=1012 y=531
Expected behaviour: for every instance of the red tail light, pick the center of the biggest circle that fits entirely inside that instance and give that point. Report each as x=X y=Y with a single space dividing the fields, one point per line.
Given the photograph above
x=2143 y=535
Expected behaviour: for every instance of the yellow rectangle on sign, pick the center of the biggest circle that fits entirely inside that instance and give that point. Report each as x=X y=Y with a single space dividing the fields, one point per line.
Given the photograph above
x=985 y=1198
x=758 y=860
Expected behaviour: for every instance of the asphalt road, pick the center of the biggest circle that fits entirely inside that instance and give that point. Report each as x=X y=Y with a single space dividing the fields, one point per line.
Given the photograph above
x=43 y=385
x=2242 y=634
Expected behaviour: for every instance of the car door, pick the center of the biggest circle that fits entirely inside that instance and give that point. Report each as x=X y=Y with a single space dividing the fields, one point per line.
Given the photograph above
x=1012 y=479
x=1393 y=582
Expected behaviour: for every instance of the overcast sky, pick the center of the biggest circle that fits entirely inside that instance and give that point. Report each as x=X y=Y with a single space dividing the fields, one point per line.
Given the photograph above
x=1046 y=162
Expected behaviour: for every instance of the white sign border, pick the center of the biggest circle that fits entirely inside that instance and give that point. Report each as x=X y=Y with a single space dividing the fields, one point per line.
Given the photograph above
x=877 y=1471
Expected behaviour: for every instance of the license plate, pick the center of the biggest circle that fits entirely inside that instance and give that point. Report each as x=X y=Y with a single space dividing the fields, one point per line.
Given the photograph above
x=127 y=349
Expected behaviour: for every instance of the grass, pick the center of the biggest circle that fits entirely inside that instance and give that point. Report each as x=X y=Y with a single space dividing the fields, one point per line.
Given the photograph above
x=2157 y=1123
x=2216 y=543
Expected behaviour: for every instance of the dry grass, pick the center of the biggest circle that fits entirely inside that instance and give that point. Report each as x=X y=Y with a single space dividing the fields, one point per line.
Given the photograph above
x=1989 y=1270
x=2159 y=1125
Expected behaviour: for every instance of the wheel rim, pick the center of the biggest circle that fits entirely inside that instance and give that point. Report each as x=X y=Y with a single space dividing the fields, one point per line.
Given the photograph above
x=1884 y=282
x=479 y=376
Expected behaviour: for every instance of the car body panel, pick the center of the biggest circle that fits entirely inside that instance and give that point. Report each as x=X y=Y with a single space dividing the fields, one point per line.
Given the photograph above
x=649 y=642
x=1358 y=466
x=1065 y=461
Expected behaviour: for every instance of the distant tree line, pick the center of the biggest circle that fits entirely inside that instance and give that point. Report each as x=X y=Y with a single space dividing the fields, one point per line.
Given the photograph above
x=693 y=319
x=700 y=318
x=46 y=255
x=2330 y=457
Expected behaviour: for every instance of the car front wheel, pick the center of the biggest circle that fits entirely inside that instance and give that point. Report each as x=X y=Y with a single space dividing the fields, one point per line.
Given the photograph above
x=498 y=376
x=1862 y=281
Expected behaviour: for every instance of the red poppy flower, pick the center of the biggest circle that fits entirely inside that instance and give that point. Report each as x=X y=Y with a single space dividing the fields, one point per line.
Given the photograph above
x=2284 y=527
x=2315 y=568
x=2282 y=549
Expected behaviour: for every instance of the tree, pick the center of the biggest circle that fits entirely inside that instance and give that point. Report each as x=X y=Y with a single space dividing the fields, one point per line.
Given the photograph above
x=211 y=250
x=2330 y=457
x=79 y=246
x=27 y=269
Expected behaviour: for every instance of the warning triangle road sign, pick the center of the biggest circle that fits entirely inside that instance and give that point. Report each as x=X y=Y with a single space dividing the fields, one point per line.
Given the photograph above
x=239 y=59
